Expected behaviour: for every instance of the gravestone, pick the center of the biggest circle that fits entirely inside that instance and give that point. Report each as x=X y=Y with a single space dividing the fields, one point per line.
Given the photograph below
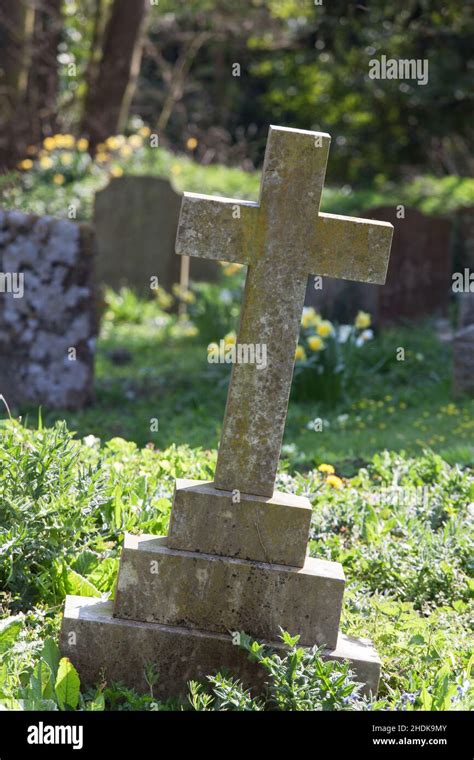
x=47 y=311
x=236 y=554
x=418 y=277
x=136 y=219
x=463 y=348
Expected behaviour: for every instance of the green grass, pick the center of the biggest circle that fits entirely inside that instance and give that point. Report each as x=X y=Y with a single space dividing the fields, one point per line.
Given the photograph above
x=403 y=406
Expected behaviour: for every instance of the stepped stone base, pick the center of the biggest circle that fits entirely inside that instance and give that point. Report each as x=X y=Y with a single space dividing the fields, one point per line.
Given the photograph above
x=221 y=594
x=100 y=645
x=273 y=530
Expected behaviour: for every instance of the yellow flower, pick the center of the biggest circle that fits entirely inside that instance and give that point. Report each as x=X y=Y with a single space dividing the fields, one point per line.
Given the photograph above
x=82 y=144
x=315 y=343
x=144 y=131
x=230 y=269
x=324 y=328
x=58 y=179
x=309 y=317
x=26 y=164
x=125 y=151
x=101 y=148
x=300 y=354
x=191 y=143
x=334 y=481
x=230 y=339
x=135 y=141
x=102 y=158
x=175 y=170
x=49 y=143
x=46 y=162
x=327 y=468
x=114 y=142
x=116 y=171
x=363 y=320
x=66 y=159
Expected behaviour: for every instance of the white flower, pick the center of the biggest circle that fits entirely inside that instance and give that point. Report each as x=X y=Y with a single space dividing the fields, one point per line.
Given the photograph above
x=364 y=337
x=344 y=333
x=91 y=441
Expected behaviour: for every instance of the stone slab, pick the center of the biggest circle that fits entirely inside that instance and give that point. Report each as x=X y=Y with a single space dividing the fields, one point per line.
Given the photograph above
x=463 y=361
x=221 y=594
x=207 y=519
x=100 y=645
x=136 y=219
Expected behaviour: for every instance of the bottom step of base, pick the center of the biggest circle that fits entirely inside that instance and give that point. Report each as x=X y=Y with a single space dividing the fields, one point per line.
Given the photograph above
x=100 y=645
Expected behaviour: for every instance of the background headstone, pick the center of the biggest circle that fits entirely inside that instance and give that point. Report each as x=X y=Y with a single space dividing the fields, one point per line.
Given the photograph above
x=136 y=220
x=463 y=348
x=418 y=280
x=47 y=334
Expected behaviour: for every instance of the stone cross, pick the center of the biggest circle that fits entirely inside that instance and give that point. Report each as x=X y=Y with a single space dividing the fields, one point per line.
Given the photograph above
x=282 y=239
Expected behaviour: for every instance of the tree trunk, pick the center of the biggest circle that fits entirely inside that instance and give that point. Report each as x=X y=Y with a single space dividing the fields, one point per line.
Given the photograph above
x=43 y=78
x=14 y=17
x=109 y=97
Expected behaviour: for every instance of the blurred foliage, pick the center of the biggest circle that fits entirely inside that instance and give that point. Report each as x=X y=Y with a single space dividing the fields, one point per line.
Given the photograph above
x=306 y=65
x=302 y=65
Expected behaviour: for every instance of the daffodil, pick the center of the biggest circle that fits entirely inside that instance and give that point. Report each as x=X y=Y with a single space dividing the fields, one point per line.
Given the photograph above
x=327 y=468
x=300 y=354
x=49 y=143
x=116 y=171
x=46 y=162
x=126 y=151
x=66 y=158
x=144 y=131
x=310 y=318
x=191 y=143
x=63 y=141
x=102 y=158
x=230 y=269
x=82 y=144
x=230 y=339
x=114 y=142
x=324 y=328
x=334 y=482
x=26 y=164
x=135 y=141
x=58 y=179
x=363 y=320
x=315 y=343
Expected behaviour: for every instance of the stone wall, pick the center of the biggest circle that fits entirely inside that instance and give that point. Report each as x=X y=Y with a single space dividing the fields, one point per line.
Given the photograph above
x=47 y=311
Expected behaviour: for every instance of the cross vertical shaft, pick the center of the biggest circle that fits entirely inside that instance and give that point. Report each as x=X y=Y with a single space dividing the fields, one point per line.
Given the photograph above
x=257 y=402
x=282 y=239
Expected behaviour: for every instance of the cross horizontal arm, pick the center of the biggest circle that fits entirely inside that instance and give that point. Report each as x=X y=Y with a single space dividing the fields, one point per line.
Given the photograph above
x=352 y=249
x=223 y=229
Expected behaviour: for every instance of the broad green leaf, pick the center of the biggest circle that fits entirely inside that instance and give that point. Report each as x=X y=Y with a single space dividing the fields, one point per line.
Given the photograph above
x=50 y=654
x=67 y=685
x=10 y=629
x=77 y=585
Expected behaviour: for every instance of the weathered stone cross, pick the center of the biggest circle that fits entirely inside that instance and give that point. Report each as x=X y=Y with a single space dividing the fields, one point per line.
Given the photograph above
x=282 y=239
